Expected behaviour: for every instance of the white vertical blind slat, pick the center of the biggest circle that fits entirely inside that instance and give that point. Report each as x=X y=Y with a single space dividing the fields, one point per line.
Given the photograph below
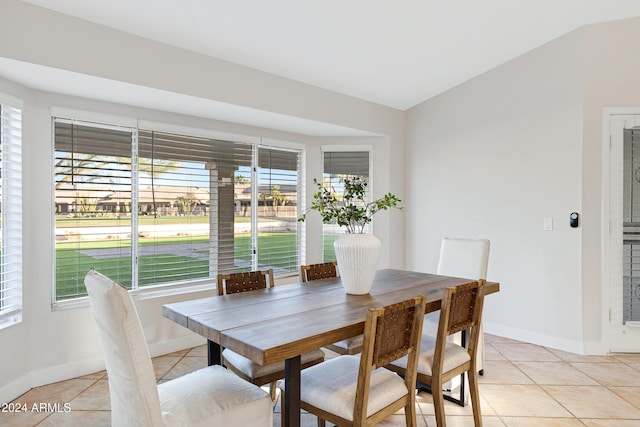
x=11 y=208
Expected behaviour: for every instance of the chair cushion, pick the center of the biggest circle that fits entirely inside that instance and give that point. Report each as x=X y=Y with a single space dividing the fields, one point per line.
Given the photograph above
x=454 y=356
x=213 y=396
x=132 y=382
x=350 y=344
x=254 y=370
x=331 y=386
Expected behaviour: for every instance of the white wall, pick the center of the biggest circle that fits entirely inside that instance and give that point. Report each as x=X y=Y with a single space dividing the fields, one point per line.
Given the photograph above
x=50 y=345
x=490 y=159
x=494 y=156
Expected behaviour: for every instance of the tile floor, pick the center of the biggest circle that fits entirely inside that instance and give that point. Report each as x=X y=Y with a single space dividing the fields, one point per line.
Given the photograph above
x=524 y=385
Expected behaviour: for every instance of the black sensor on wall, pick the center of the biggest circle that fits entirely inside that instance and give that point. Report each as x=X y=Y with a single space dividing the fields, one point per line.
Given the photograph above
x=573 y=219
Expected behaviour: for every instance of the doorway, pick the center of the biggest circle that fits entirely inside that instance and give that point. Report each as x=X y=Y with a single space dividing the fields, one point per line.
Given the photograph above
x=624 y=233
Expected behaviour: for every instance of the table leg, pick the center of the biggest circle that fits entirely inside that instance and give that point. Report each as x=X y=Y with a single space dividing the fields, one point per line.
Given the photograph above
x=292 y=392
x=214 y=353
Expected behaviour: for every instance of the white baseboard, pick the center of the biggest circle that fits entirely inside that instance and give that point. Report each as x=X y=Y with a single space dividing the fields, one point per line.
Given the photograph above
x=176 y=344
x=78 y=368
x=531 y=337
x=14 y=389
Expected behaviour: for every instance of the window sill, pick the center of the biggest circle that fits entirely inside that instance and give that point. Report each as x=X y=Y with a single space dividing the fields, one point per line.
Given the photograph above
x=150 y=292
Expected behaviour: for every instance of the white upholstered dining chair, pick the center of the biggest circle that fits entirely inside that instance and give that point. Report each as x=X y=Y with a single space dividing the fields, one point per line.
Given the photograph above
x=211 y=396
x=469 y=259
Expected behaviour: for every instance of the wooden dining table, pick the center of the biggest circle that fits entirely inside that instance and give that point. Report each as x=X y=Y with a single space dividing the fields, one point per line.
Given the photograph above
x=281 y=323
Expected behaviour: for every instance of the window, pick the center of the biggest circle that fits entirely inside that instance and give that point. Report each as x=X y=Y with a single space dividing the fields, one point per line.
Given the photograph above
x=337 y=166
x=11 y=209
x=152 y=208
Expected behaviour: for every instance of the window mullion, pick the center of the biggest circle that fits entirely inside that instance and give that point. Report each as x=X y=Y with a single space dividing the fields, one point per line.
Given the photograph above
x=135 y=218
x=254 y=203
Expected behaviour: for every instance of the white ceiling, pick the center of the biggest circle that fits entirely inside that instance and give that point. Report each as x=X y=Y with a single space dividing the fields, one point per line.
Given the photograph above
x=396 y=53
x=393 y=52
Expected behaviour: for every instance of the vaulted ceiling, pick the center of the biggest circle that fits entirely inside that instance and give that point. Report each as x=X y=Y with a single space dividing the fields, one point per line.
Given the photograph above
x=395 y=53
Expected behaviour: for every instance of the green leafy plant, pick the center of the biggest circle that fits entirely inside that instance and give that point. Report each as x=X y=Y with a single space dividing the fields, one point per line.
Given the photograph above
x=349 y=209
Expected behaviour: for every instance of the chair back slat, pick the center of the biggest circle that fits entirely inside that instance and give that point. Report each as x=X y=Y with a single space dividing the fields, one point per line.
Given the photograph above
x=394 y=330
x=245 y=281
x=463 y=308
x=318 y=271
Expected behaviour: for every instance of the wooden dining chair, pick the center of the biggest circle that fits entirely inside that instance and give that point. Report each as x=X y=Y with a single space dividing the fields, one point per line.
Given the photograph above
x=358 y=391
x=318 y=271
x=441 y=359
x=326 y=270
x=245 y=368
x=245 y=281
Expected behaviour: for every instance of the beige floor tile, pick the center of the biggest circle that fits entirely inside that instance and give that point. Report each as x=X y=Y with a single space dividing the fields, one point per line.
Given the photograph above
x=502 y=372
x=628 y=358
x=554 y=373
x=395 y=420
x=22 y=419
x=522 y=401
x=611 y=423
x=306 y=420
x=95 y=376
x=424 y=400
x=490 y=353
x=78 y=418
x=61 y=392
x=524 y=386
x=494 y=339
x=630 y=394
x=593 y=402
x=186 y=365
x=541 y=422
x=572 y=357
x=611 y=374
x=200 y=351
x=163 y=364
x=179 y=353
x=463 y=421
x=95 y=398
x=526 y=353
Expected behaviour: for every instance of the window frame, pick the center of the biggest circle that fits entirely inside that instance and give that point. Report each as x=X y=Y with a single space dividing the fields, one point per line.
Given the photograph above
x=348 y=149
x=195 y=285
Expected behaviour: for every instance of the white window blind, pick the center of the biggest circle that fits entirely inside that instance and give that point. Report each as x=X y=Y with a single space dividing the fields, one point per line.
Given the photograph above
x=93 y=174
x=151 y=208
x=277 y=207
x=337 y=166
x=187 y=196
x=11 y=206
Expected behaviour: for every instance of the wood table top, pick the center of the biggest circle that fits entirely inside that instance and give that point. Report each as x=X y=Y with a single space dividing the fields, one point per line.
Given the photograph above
x=275 y=324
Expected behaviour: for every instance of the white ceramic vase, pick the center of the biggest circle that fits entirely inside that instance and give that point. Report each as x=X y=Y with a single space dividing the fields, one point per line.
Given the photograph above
x=357 y=256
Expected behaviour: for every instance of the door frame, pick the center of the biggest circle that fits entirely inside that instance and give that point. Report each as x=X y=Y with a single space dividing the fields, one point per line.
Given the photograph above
x=614 y=120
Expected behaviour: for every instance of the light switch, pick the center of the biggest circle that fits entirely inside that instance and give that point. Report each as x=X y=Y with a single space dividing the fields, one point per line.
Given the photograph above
x=547 y=224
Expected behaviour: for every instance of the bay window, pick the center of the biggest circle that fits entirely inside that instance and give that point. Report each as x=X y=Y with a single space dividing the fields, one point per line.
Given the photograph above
x=149 y=208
